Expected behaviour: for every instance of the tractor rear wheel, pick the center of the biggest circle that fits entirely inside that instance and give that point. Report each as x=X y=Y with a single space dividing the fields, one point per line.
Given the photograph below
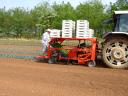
x=115 y=53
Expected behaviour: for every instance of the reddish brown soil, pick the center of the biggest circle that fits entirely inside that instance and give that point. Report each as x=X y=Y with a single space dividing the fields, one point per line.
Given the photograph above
x=29 y=78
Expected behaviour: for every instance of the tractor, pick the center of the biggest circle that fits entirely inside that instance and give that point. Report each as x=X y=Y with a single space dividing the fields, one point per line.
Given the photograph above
x=115 y=45
x=114 y=50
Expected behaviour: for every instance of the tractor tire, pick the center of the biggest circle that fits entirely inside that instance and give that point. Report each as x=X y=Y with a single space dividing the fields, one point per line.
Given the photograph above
x=115 y=53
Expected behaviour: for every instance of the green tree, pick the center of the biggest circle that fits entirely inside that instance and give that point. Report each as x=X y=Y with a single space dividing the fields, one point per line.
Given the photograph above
x=21 y=22
x=5 y=23
x=118 y=5
x=18 y=21
x=63 y=12
x=93 y=11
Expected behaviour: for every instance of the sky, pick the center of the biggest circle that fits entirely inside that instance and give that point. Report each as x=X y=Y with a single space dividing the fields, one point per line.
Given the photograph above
x=31 y=3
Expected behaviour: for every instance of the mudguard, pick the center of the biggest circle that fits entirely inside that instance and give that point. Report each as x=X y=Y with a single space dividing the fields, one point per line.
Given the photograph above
x=113 y=34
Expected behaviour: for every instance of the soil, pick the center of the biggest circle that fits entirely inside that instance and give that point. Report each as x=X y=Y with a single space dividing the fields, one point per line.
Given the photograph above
x=24 y=77
x=19 y=77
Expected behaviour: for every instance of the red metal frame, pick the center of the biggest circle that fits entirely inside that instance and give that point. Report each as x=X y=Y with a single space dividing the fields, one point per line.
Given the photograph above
x=86 y=53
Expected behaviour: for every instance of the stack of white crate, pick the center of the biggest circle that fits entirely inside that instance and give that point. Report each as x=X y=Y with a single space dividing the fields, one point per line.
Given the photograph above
x=68 y=27
x=91 y=33
x=55 y=33
x=82 y=29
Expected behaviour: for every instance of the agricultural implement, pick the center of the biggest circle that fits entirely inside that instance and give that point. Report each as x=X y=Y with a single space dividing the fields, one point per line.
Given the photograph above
x=71 y=50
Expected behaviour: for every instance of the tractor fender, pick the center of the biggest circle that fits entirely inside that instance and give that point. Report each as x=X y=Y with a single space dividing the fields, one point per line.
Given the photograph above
x=110 y=35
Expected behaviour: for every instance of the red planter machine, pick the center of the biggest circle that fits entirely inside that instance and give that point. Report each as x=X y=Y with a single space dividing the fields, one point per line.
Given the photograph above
x=77 y=50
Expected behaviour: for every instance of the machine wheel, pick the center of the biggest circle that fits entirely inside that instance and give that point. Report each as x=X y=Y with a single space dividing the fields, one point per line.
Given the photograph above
x=50 y=61
x=115 y=53
x=91 y=63
x=53 y=58
x=74 y=62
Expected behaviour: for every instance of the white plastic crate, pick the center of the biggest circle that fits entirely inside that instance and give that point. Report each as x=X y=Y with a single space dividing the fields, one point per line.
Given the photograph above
x=82 y=23
x=82 y=29
x=68 y=28
x=82 y=35
x=66 y=35
x=55 y=33
x=91 y=33
x=68 y=24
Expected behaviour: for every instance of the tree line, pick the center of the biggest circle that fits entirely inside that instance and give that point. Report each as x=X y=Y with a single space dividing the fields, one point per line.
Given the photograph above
x=25 y=23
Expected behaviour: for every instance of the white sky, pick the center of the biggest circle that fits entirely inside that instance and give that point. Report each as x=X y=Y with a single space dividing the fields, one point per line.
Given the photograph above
x=31 y=3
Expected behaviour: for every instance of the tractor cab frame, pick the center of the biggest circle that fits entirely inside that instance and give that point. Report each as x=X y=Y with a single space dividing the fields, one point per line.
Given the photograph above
x=120 y=20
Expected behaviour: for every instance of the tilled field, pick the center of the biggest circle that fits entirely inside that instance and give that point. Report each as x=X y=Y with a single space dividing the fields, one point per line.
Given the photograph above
x=28 y=78
x=24 y=77
x=19 y=51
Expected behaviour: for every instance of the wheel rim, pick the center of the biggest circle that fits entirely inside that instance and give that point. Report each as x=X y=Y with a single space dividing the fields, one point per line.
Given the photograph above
x=91 y=64
x=50 y=61
x=117 y=53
